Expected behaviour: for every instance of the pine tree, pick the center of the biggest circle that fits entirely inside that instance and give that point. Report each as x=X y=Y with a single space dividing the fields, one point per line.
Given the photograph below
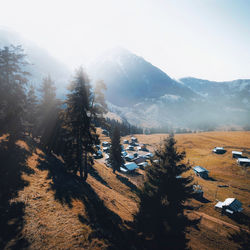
x=31 y=110
x=13 y=80
x=48 y=111
x=80 y=131
x=160 y=222
x=115 y=158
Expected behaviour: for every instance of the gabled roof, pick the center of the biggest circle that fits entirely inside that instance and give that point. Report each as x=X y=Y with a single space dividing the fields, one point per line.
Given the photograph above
x=219 y=148
x=245 y=160
x=232 y=203
x=236 y=153
x=129 y=156
x=131 y=166
x=144 y=164
x=199 y=169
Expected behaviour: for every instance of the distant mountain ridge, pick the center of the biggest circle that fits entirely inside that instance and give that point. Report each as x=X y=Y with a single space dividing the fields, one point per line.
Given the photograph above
x=130 y=79
x=147 y=96
x=213 y=89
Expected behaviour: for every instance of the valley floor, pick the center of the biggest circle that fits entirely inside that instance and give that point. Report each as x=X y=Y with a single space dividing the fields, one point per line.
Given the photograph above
x=62 y=213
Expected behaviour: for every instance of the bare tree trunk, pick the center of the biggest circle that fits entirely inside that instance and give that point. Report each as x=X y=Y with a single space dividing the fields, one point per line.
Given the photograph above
x=81 y=169
x=86 y=170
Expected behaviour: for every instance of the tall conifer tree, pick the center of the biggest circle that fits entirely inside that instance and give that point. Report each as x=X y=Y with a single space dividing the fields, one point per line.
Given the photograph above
x=81 y=132
x=115 y=158
x=31 y=110
x=160 y=222
x=13 y=79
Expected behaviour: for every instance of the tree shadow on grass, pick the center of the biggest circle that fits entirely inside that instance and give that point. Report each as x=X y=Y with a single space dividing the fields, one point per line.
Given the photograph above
x=201 y=199
x=209 y=178
x=96 y=175
x=128 y=183
x=13 y=165
x=241 y=238
x=241 y=218
x=106 y=224
x=65 y=187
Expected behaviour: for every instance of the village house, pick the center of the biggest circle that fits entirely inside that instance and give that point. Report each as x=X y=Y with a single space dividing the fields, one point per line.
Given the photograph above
x=98 y=154
x=129 y=167
x=219 y=150
x=230 y=205
x=129 y=157
x=244 y=162
x=106 y=149
x=105 y=144
x=139 y=159
x=133 y=139
x=236 y=154
x=143 y=165
x=198 y=192
x=200 y=171
x=130 y=148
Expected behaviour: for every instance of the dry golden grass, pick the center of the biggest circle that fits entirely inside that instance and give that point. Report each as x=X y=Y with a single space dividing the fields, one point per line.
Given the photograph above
x=223 y=168
x=52 y=224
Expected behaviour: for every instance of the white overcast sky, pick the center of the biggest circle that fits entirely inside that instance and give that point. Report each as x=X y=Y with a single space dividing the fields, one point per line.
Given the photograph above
x=209 y=39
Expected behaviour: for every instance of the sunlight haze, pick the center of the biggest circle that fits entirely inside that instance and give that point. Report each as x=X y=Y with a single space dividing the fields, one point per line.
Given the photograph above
x=207 y=39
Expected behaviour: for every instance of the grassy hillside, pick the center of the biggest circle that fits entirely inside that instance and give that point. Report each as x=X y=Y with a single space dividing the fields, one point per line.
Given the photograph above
x=62 y=213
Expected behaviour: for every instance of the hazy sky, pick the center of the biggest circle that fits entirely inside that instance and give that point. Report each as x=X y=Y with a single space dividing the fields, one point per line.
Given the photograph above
x=208 y=39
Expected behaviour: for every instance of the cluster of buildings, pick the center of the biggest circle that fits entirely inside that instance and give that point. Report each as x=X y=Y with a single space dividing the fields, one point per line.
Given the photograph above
x=240 y=158
x=137 y=155
x=134 y=154
x=229 y=206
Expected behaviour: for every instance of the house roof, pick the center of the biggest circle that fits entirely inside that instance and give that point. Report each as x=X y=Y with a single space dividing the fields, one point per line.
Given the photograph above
x=129 y=156
x=232 y=203
x=219 y=148
x=199 y=169
x=246 y=160
x=219 y=204
x=131 y=166
x=123 y=169
x=236 y=153
x=144 y=164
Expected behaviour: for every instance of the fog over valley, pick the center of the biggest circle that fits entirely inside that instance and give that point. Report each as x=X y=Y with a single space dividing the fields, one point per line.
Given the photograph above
x=142 y=93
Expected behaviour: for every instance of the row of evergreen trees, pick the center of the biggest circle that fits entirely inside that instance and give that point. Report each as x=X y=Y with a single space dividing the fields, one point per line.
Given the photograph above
x=124 y=127
x=69 y=129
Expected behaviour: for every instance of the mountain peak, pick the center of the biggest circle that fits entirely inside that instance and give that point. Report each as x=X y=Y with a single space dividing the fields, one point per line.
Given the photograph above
x=130 y=78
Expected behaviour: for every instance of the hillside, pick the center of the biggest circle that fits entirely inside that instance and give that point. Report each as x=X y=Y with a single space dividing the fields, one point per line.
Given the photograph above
x=59 y=212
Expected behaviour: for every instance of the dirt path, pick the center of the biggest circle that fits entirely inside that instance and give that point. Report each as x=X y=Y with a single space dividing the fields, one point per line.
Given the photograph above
x=220 y=222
